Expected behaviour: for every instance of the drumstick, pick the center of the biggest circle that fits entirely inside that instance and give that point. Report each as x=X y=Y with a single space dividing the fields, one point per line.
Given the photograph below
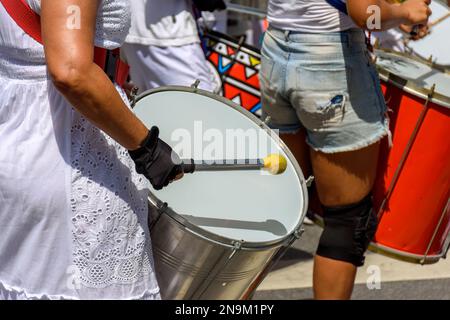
x=274 y=163
x=441 y=19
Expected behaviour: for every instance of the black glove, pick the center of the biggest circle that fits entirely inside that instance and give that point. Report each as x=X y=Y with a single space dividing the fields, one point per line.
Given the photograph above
x=156 y=160
x=210 y=5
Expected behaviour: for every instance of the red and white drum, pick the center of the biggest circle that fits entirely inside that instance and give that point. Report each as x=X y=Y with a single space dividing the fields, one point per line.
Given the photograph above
x=413 y=186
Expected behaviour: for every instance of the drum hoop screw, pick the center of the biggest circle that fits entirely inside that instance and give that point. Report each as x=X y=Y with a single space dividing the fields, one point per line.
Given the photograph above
x=195 y=84
x=298 y=233
x=309 y=181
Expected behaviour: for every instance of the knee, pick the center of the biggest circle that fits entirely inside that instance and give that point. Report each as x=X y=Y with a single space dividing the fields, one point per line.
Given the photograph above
x=348 y=232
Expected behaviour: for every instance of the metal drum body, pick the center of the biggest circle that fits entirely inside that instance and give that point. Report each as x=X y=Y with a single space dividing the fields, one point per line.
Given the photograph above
x=215 y=235
x=435 y=47
x=413 y=186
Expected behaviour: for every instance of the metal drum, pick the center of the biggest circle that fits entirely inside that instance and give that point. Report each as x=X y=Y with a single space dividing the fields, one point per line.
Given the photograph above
x=412 y=190
x=216 y=234
x=435 y=47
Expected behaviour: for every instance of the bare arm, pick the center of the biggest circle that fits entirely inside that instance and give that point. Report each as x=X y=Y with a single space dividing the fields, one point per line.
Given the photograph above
x=69 y=54
x=410 y=12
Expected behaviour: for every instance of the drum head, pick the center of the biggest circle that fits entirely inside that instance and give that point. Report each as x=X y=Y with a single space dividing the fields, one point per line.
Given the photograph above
x=436 y=44
x=421 y=76
x=241 y=205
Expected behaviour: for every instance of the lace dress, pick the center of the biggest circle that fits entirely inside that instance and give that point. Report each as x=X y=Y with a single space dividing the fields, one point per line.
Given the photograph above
x=73 y=212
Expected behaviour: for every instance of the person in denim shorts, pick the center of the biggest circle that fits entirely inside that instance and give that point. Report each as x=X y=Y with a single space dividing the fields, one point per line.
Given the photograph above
x=321 y=90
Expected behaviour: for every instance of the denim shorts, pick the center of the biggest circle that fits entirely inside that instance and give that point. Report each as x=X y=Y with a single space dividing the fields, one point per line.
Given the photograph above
x=325 y=83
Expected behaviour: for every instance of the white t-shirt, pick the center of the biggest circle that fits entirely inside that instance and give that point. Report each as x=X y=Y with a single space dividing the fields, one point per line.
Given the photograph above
x=163 y=23
x=315 y=16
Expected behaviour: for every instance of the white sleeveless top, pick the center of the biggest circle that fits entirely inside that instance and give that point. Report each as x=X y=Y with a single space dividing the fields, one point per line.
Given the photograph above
x=73 y=212
x=313 y=16
x=165 y=23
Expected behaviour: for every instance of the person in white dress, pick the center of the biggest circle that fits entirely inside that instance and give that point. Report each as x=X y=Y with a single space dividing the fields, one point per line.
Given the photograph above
x=73 y=210
x=163 y=46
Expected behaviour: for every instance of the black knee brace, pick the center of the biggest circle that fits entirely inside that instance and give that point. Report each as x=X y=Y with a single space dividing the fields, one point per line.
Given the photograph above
x=348 y=232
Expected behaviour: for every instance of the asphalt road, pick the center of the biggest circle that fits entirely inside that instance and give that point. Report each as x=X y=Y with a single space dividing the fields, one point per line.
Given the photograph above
x=292 y=277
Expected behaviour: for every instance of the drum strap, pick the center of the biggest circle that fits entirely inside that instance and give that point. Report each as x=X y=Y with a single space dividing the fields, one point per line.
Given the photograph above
x=30 y=22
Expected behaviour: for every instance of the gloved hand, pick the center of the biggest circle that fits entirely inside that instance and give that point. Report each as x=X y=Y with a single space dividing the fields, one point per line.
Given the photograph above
x=210 y=5
x=156 y=160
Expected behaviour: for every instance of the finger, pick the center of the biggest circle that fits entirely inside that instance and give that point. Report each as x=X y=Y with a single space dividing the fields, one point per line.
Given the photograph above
x=179 y=176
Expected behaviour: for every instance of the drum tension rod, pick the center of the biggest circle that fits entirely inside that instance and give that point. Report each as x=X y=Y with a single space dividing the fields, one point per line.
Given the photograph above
x=309 y=181
x=133 y=96
x=195 y=84
x=237 y=245
x=298 y=233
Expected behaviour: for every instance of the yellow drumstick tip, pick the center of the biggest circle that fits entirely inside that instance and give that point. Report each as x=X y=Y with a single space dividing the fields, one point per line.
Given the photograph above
x=275 y=163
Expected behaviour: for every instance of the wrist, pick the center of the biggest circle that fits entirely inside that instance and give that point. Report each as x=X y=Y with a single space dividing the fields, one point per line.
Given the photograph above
x=147 y=144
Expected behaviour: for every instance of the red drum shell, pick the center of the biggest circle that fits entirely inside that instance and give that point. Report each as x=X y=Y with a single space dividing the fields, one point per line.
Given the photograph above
x=415 y=220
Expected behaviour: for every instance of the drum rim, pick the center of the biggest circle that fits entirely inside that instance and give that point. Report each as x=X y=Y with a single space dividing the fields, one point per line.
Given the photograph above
x=410 y=86
x=208 y=234
x=405 y=256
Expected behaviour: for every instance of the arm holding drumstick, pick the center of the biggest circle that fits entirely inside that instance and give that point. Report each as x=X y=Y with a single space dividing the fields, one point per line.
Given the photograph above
x=393 y=12
x=70 y=58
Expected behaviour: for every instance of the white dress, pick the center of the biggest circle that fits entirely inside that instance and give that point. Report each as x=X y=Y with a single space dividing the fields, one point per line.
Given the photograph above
x=73 y=212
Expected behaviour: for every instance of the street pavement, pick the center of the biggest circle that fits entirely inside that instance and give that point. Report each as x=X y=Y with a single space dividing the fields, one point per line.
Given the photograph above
x=381 y=278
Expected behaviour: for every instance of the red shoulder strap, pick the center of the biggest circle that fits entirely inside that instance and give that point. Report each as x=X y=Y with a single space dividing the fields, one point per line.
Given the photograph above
x=30 y=22
x=25 y=17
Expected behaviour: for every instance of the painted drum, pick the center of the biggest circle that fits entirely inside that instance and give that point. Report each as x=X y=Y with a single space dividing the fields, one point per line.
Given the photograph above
x=236 y=66
x=435 y=46
x=413 y=186
x=216 y=234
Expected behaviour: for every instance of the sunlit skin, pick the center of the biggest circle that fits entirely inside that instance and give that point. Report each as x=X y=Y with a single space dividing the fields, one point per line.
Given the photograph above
x=69 y=55
x=70 y=59
x=346 y=178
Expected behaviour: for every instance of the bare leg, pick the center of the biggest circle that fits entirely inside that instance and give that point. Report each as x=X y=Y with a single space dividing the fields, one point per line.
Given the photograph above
x=341 y=179
x=345 y=178
x=332 y=279
x=297 y=144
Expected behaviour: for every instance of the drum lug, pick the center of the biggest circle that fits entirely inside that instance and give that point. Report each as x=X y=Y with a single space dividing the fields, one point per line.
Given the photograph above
x=267 y=120
x=133 y=96
x=298 y=233
x=237 y=246
x=432 y=92
x=309 y=181
x=195 y=84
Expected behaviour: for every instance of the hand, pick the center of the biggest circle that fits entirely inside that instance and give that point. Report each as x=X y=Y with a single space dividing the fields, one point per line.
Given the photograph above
x=416 y=11
x=156 y=160
x=422 y=31
x=210 y=5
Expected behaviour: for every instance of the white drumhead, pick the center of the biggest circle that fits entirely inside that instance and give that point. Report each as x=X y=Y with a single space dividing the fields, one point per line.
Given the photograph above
x=436 y=44
x=242 y=205
x=413 y=70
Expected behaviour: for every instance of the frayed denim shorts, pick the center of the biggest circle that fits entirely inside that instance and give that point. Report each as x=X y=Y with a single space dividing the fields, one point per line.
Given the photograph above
x=325 y=83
